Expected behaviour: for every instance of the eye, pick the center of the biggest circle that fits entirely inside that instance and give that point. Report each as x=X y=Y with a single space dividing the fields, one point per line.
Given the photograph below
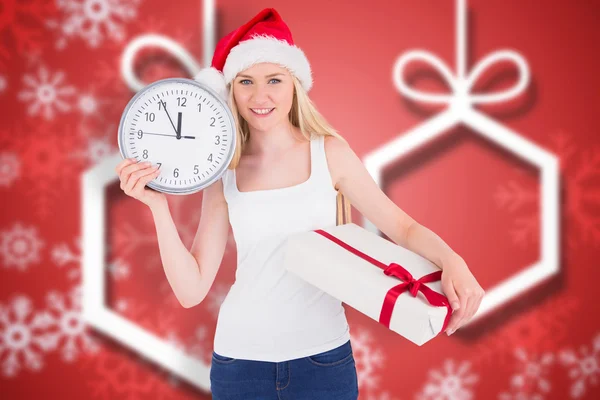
x=248 y=80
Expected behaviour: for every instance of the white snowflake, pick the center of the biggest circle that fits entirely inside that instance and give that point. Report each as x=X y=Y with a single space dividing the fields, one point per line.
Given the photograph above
x=98 y=149
x=45 y=93
x=63 y=256
x=20 y=246
x=368 y=358
x=581 y=169
x=197 y=347
x=583 y=369
x=174 y=340
x=70 y=324
x=23 y=336
x=118 y=269
x=216 y=297
x=531 y=381
x=122 y=305
x=93 y=20
x=10 y=168
x=127 y=238
x=120 y=373
x=520 y=395
x=516 y=197
x=87 y=104
x=451 y=383
x=533 y=372
x=378 y=396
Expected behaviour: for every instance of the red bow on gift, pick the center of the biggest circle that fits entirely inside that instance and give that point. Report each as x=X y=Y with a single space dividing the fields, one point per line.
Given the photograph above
x=409 y=283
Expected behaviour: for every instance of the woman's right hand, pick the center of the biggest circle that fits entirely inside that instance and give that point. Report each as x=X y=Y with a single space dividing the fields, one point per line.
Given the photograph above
x=134 y=176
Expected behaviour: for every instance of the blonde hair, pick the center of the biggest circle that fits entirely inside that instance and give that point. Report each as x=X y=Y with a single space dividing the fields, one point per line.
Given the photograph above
x=303 y=115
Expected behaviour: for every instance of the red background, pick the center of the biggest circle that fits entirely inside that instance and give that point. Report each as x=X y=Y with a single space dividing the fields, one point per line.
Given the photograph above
x=478 y=197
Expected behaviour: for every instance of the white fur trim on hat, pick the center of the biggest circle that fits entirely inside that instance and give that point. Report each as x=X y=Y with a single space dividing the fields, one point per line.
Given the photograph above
x=263 y=48
x=214 y=79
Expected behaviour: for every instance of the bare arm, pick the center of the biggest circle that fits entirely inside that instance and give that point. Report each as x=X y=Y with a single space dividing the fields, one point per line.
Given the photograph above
x=192 y=273
x=458 y=283
x=353 y=179
x=428 y=244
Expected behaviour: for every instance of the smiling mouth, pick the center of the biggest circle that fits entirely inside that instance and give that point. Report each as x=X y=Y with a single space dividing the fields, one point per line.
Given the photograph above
x=262 y=111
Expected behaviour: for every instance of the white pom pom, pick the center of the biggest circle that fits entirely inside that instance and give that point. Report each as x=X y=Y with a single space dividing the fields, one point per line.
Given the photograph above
x=214 y=79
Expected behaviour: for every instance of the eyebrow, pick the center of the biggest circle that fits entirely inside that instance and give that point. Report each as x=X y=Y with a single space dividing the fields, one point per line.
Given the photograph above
x=266 y=76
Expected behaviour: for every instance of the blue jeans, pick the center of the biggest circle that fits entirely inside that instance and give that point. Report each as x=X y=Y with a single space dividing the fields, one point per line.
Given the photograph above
x=329 y=375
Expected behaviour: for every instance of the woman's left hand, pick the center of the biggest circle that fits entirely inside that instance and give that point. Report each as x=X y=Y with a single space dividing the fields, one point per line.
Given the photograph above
x=463 y=292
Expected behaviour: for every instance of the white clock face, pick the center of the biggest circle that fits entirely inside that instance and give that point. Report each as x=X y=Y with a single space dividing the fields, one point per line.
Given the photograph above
x=185 y=128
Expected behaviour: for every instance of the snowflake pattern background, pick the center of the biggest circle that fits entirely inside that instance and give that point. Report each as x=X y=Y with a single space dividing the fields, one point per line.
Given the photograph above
x=62 y=93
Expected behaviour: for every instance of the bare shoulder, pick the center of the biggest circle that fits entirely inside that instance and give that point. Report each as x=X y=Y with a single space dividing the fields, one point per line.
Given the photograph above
x=337 y=153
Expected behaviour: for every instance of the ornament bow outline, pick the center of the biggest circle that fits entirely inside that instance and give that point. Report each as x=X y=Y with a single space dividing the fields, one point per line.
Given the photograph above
x=171 y=47
x=461 y=85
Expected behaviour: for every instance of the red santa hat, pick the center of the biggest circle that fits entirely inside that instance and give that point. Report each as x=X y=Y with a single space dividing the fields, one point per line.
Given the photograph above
x=265 y=38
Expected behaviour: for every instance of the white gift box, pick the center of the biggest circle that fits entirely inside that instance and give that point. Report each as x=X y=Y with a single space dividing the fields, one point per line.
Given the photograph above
x=362 y=284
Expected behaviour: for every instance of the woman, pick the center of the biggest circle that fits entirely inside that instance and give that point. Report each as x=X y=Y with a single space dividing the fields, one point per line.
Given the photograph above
x=277 y=336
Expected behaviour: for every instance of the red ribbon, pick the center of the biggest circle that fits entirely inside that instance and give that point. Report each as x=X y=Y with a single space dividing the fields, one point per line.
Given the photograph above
x=410 y=284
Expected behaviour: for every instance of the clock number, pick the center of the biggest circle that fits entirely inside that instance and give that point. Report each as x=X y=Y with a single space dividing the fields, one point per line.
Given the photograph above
x=180 y=103
x=213 y=121
x=159 y=164
x=140 y=134
x=176 y=172
x=145 y=154
x=150 y=117
x=199 y=107
x=196 y=169
x=218 y=139
x=210 y=157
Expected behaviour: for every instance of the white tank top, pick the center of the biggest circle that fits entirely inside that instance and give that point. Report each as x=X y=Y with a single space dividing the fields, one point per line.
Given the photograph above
x=269 y=314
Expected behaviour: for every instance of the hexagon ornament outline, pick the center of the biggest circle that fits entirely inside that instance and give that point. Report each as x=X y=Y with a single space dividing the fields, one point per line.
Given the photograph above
x=94 y=183
x=460 y=110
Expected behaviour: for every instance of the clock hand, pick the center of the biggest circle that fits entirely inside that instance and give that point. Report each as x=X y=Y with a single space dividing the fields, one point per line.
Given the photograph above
x=165 y=107
x=158 y=134
x=163 y=134
x=179 y=125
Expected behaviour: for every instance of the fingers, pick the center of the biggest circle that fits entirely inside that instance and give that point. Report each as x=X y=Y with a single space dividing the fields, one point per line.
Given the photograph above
x=466 y=304
x=127 y=173
x=123 y=164
x=474 y=301
x=150 y=174
x=450 y=293
x=471 y=308
x=454 y=319
x=470 y=301
x=124 y=169
x=140 y=171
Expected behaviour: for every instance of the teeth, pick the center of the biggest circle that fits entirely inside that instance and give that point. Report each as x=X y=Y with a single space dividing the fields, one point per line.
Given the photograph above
x=261 y=110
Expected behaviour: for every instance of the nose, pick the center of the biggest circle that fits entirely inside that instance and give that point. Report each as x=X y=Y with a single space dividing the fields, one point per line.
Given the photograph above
x=260 y=94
